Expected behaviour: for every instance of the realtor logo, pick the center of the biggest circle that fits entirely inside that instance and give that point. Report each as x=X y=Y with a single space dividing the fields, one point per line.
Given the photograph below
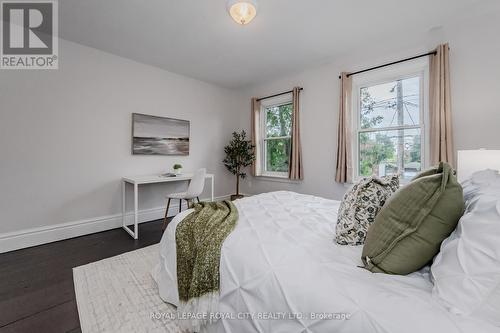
x=29 y=35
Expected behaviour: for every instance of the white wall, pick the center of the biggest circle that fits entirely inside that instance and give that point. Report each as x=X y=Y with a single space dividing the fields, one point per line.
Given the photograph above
x=65 y=136
x=475 y=73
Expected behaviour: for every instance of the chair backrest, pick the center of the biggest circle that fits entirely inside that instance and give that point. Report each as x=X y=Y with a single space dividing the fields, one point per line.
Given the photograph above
x=196 y=184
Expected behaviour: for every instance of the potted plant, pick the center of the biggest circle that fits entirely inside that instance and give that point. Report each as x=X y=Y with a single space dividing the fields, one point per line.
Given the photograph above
x=239 y=155
x=177 y=169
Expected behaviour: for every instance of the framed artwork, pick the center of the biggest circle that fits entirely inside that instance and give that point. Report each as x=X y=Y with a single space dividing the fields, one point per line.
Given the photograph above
x=153 y=135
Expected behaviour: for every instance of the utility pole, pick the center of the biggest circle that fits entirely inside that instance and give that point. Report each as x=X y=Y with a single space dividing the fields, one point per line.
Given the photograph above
x=401 y=139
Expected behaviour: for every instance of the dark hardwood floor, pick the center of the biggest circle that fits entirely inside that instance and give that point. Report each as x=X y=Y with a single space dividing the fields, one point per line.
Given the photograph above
x=36 y=284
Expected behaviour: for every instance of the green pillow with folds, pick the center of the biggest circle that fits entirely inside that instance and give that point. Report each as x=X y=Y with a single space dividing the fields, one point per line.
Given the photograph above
x=408 y=230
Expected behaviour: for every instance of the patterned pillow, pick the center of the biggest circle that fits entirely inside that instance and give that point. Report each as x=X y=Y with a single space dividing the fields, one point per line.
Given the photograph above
x=360 y=206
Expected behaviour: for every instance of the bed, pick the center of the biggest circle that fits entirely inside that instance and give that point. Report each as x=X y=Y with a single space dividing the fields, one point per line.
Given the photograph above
x=280 y=271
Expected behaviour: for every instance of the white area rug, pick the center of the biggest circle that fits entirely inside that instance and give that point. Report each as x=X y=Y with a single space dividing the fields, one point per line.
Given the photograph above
x=118 y=294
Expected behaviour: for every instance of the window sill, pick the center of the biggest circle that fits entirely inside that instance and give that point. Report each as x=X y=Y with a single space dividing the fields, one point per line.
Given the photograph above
x=349 y=184
x=278 y=179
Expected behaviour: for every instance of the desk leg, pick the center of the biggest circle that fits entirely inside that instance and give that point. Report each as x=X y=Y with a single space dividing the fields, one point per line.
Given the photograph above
x=135 y=232
x=124 y=202
x=212 y=187
x=136 y=211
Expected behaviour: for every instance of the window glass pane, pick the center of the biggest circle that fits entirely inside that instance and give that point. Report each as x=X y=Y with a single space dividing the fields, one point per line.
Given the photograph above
x=395 y=103
x=386 y=152
x=277 y=155
x=279 y=120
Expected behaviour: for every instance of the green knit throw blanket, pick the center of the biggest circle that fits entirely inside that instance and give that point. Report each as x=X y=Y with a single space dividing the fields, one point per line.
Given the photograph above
x=199 y=239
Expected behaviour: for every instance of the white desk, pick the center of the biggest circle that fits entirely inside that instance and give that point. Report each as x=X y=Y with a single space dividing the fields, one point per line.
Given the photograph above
x=150 y=179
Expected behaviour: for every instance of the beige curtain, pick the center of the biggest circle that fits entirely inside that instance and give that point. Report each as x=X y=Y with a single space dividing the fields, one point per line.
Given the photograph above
x=344 y=158
x=295 y=169
x=441 y=138
x=255 y=135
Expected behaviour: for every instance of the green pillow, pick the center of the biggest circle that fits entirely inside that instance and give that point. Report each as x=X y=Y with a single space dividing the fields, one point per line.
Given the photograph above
x=409 y=229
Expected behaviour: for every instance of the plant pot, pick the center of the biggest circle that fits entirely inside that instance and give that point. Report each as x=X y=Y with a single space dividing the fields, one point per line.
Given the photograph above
x=178 y=171
x=236 y=197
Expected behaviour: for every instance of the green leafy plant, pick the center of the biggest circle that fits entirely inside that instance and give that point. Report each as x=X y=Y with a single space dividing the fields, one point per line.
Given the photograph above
x=177 y=166
x=239 y=155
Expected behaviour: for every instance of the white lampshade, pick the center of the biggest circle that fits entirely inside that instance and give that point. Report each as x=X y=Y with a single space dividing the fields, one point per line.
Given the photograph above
x=242 y=11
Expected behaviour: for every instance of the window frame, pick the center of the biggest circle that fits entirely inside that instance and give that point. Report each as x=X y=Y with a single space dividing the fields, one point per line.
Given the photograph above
x=265 y=104
x=416 y=68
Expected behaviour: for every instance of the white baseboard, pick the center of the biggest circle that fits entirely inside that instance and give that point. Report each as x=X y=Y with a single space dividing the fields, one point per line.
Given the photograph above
x=21 y=239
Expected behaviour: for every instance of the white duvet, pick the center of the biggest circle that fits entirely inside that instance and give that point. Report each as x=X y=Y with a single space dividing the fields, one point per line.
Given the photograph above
x=280 y=271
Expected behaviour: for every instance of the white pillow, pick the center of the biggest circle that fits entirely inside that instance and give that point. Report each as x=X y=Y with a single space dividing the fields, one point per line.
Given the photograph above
x=477 y=181
x=466 y=272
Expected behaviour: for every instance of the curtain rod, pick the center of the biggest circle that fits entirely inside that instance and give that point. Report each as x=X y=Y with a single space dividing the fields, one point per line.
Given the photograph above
x=391 y=63
x=276 y=95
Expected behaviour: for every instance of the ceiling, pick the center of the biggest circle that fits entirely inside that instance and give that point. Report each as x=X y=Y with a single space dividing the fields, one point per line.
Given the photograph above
x=197 y=38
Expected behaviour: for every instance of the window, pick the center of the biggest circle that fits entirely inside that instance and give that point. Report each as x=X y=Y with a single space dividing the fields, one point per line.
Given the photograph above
x=390 y=117
x=276 y=131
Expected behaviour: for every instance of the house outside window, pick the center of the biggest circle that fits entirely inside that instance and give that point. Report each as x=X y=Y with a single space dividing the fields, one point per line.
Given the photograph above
x=390 y=117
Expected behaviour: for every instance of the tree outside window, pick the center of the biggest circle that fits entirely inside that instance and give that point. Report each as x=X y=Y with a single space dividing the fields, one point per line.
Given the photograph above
x=277 y=138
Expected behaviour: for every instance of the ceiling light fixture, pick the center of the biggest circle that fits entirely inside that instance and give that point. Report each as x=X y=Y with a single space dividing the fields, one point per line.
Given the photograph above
x=242 y=11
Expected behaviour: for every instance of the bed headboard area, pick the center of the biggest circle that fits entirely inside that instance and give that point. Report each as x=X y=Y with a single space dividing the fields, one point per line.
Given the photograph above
x=470 y=161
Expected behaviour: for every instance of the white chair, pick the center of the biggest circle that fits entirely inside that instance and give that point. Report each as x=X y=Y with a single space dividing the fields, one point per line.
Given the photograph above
x=194 y=190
